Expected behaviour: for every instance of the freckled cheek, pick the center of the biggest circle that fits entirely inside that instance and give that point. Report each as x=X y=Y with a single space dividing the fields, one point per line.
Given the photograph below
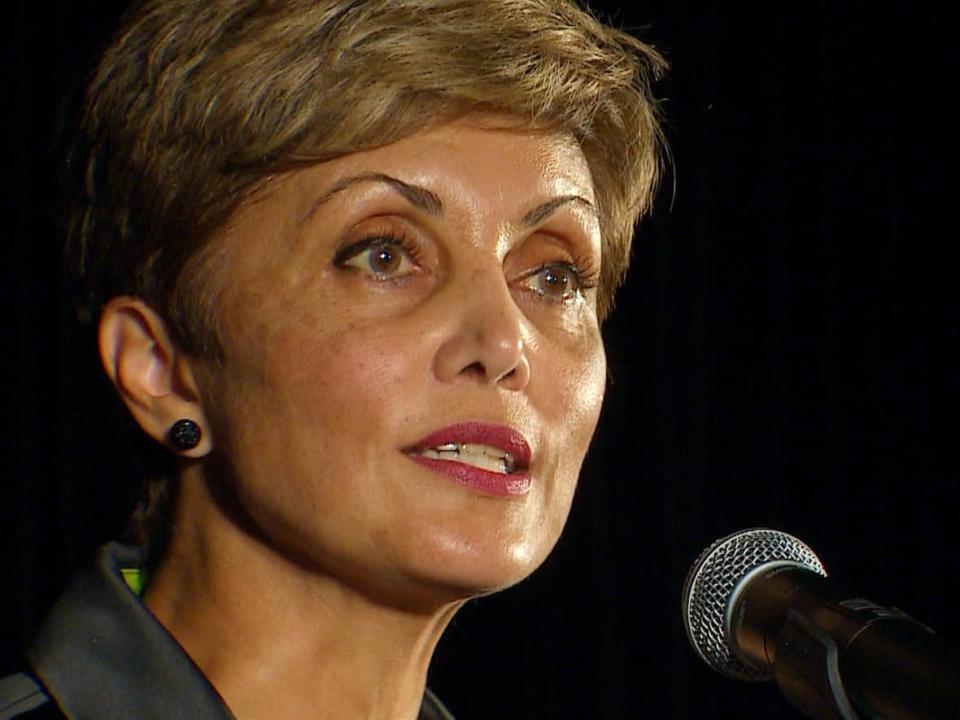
x=576 y=388
x=578 y=382
x=353 y=371
x=582 y=396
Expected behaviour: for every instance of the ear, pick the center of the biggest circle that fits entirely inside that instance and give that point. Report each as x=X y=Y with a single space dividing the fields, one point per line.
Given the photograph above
x=153 y=376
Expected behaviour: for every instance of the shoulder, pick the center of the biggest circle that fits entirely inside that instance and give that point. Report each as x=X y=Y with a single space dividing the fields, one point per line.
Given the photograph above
x=23 y=697
x=100 y=653
x=431 y=709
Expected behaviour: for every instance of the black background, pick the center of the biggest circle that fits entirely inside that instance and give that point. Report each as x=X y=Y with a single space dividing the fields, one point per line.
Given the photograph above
x=782 y=355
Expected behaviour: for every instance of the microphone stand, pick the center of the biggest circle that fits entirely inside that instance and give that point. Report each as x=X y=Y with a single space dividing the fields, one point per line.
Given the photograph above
x=807 y=670
x=834 y=658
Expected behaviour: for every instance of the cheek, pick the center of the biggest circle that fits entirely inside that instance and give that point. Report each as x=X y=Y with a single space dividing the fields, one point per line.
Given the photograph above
x=587 y=385
x=294 y=410
x=347 y=372
x=302 y=377
x=577 y=382
x=575 y=390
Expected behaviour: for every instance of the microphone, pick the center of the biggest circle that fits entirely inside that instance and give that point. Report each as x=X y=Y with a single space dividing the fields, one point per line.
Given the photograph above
x=757 y=605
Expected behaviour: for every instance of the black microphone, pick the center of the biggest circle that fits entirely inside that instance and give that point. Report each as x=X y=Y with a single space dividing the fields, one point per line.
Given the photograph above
x=757 y=605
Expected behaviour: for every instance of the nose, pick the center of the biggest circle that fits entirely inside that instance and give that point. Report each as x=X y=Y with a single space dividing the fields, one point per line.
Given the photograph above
x=486 y=339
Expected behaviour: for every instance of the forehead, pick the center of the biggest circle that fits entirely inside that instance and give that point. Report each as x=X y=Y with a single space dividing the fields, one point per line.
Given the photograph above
x=479 y=160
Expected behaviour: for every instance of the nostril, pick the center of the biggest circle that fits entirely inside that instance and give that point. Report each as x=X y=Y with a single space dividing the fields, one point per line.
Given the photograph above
x=479 y=370
x=475 y=370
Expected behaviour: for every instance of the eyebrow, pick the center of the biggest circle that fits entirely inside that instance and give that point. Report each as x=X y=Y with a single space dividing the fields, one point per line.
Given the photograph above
x=431 y=204
x=417 y=196
x=544 y=210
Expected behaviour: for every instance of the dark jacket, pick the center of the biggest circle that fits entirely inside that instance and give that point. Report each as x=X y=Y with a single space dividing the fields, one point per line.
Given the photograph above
x=101 y=655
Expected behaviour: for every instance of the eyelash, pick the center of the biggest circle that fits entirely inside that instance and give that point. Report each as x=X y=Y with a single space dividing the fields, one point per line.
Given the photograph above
x=586 y=272
x=583 y=269
x=391 y=238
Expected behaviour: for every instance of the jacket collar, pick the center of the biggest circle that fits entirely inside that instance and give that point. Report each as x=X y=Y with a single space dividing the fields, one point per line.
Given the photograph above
x=102 y=654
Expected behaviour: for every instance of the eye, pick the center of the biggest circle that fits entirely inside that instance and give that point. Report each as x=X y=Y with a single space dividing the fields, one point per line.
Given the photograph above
x=382 y=257
x=556 y=281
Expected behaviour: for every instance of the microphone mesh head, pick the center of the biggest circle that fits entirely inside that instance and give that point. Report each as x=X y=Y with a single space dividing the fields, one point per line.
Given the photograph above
x=712 y=580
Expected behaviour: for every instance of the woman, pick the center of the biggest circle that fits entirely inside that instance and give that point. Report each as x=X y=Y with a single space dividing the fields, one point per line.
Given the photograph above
x=350 y=261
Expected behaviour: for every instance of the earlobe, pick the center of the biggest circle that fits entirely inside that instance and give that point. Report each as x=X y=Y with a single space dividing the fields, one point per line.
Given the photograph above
x=152 y=375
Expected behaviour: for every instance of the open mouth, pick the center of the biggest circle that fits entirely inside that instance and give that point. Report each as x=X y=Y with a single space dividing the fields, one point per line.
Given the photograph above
x=484 y=457
x=493 y=459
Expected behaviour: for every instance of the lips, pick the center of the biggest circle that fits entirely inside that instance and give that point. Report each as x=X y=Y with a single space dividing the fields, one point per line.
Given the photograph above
x=491 y=459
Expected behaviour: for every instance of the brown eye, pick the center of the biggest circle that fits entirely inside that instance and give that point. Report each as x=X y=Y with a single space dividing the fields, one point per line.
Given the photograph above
x=556 y=281
x=382 y=258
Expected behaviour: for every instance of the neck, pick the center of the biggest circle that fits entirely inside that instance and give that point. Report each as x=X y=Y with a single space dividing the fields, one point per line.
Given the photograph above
x=279 y=640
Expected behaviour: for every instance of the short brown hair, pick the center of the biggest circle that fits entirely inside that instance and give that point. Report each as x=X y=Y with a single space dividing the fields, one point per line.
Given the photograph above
x=196 y=103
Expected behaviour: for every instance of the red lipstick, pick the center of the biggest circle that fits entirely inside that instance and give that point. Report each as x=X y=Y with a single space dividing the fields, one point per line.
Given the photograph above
x=507 y=440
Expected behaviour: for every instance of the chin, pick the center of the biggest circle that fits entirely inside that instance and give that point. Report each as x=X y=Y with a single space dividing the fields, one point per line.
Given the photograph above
x=483 y=545
x=460 y=566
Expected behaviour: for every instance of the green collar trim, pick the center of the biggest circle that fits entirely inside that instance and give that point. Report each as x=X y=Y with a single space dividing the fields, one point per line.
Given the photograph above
x=135 y=578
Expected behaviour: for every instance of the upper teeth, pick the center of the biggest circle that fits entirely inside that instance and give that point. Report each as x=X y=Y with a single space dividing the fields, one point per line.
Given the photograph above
x=482 y=456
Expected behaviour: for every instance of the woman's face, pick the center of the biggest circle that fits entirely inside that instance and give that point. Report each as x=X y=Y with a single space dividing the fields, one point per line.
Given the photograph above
x=402 y=326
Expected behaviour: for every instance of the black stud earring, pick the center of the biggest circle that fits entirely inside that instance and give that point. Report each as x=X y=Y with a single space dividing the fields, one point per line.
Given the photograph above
x=184 y=434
